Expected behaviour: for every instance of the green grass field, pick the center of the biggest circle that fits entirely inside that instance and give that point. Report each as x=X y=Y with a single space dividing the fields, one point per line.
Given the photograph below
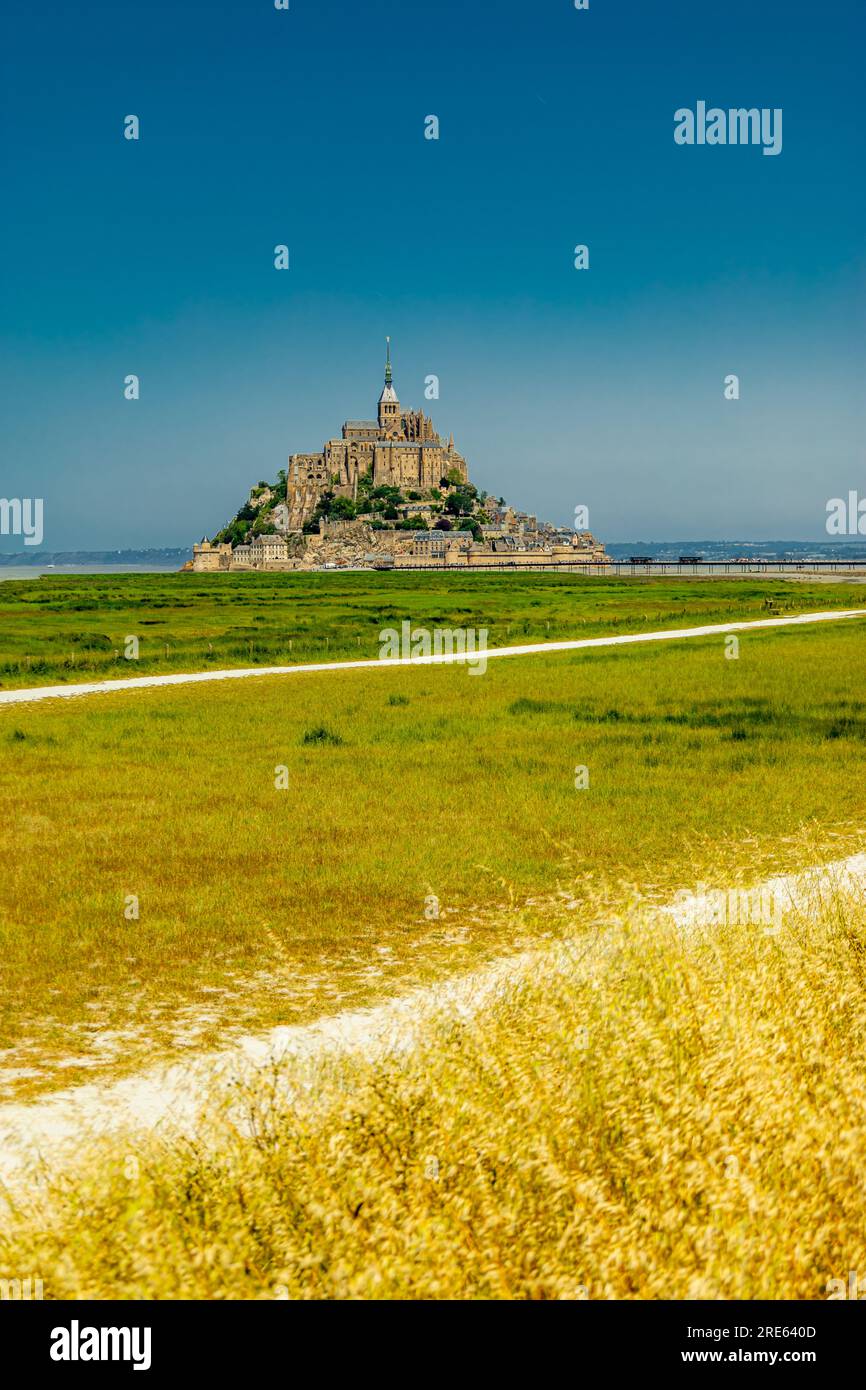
x=637 y=1114
x=260 y=906
x=72 y=628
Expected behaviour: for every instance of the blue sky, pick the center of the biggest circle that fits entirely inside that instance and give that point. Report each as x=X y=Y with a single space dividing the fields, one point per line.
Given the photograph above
x=601 y=387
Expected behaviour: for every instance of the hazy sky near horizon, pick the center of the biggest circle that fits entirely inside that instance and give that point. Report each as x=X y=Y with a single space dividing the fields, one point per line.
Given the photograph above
x=602 y=387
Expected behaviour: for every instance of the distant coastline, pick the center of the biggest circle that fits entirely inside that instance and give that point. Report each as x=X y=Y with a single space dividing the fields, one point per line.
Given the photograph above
x=26 y=564
x=721 y=551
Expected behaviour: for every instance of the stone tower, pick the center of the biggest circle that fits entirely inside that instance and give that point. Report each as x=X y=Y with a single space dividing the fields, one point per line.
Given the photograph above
x=389 y=406
x=400 y=448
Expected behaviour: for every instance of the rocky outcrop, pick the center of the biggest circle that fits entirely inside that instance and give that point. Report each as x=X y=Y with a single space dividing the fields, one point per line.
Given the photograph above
x=351 y=543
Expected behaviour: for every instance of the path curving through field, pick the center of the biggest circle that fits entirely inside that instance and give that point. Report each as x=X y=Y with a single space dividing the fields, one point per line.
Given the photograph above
x=44 y=1135
x=66 y=692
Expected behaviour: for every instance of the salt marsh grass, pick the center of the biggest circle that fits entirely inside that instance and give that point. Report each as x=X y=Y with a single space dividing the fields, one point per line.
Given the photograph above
x=255 y=906
x=74 y=628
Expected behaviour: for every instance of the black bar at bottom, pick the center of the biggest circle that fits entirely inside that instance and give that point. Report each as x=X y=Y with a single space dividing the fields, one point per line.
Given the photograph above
x=292 y=1339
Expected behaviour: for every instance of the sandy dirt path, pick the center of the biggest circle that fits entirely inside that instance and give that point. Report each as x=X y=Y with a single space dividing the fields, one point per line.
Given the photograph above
x=67 y=692
x=51 y=1131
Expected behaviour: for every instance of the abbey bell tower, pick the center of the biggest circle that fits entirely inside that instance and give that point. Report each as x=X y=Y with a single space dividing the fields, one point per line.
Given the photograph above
x=400 y=449
x=389 y=406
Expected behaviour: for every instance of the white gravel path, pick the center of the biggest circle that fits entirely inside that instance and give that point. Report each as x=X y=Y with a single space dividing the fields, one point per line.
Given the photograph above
x=67 y=692
x=53 y=1130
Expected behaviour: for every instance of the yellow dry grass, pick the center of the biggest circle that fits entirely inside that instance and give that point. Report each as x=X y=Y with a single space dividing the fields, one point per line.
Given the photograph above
x=641 y=1113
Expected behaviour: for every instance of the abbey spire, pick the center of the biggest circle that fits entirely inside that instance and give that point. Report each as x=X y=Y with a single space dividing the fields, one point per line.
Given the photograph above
x=389 y=406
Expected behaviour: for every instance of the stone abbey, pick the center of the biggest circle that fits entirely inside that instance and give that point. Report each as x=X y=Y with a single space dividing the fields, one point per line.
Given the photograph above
x=400 y=448
x=387 y=493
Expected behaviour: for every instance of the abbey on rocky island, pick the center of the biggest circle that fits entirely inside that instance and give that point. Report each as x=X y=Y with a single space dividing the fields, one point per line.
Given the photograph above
x=400 y=448
x=388 y=492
